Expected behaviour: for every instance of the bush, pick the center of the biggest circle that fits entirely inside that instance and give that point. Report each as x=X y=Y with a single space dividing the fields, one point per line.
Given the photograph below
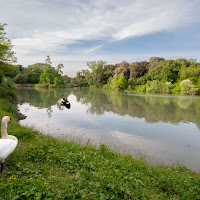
x=188 y=88
x=140 y=88
x=21 y=78
x=176 y=88
x=166 y=87
x=114 y=84
x=106 y=86
x=7 y=106
x=8 y=90
x=154 y=86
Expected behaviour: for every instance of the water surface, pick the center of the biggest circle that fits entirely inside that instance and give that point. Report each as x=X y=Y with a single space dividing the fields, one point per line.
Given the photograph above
x=164 y=127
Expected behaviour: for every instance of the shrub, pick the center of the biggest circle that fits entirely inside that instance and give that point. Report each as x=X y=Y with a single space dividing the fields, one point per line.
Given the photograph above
x=8 y=90
x=166 y=87
x=154 y=86
x=176 y=88
x=188 y=88
x=114 y=84
x=140 y=88
x=106 y=86
x=121 y=82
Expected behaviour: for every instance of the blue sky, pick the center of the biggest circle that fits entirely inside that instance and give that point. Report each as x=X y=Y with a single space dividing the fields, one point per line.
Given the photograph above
x=78 y=31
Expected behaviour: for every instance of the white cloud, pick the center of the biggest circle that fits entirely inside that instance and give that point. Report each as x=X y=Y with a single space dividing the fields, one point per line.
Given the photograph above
x=162 y=16
x=94 y=48
x=95 y=19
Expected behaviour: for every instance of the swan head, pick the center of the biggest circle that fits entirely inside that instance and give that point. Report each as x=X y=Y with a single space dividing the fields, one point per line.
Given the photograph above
x=6 y=119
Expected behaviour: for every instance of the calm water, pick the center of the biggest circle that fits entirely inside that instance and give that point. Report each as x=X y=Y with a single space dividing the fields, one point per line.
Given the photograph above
x=166 y=128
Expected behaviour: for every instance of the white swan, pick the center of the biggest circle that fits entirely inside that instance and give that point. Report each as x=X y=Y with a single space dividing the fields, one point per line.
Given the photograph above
x=8 y=143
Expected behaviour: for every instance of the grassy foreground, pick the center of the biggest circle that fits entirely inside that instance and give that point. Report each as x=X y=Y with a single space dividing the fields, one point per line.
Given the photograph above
x=43 y=167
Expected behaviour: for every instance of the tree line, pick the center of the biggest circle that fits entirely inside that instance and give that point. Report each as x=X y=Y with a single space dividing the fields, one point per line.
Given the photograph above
x=43 y=74
x=157 y=75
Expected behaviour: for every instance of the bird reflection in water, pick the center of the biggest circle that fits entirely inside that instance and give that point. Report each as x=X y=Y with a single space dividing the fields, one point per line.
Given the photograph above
x=65 y=102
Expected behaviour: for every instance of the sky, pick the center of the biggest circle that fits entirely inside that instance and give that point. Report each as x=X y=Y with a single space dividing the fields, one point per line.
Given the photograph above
x=78 y=31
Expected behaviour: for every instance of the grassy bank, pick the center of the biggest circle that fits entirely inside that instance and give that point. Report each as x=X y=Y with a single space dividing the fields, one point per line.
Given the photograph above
x=42 y=167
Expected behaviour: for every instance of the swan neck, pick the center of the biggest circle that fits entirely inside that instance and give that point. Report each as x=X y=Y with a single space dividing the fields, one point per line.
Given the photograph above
x=4 y=133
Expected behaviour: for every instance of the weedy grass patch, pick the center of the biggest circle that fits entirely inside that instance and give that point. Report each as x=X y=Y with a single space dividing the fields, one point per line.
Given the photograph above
x=43 y=167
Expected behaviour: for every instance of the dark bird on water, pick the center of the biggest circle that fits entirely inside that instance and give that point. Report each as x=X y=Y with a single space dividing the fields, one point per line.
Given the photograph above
x=65 y=98
x=65 y=102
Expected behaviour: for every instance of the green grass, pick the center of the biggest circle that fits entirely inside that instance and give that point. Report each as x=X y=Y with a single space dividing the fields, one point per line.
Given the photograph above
x=43 y=167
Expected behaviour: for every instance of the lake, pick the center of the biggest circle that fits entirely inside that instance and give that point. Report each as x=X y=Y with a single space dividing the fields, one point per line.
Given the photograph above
x=164 y=127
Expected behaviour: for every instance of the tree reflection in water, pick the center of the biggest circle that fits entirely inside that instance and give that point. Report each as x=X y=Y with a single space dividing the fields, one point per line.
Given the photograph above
x=153 y=108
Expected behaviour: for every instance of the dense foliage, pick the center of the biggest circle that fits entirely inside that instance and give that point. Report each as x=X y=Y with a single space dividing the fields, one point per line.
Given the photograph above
x=158 y=76
x=7 y=57
x=8 y=90
x=43 y=74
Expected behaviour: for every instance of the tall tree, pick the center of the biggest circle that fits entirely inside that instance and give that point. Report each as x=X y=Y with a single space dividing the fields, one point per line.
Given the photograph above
x=7 y=57
x=138 y=69
x=48 y=60
x=59 y=68
x=122 y=67
x=96 y=68
x=34 y=72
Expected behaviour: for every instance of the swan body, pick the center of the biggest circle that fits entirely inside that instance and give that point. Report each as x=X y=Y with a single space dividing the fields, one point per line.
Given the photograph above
x=8 y=143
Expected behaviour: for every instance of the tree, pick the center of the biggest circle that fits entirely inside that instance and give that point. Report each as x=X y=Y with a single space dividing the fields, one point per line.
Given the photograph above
x=109 y=71
x=59 y=68
x=121 y=82
x=66 y=79
x=96 y=68
x=7 y=57
x=48 y=75
x=58 y=80
x=114 y=83
x=166 y=71
x=166 y=74
x=156 y=59
x=80 y=78
x=86 y=73
x=21 y=78
x=48 y=60
x=34 y=72
x=138 y=69
x=122 y=67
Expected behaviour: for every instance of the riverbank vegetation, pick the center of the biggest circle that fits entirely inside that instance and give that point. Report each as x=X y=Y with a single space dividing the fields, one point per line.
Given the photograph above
x=155 y=76
x=7 y=60
x=43 y=167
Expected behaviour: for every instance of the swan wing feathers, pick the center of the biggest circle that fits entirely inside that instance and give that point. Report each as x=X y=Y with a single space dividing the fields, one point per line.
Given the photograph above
x=7 y=146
